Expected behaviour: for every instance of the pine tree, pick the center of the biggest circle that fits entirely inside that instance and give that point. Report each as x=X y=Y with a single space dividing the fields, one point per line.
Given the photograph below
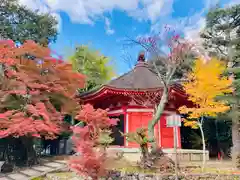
x=19 y=24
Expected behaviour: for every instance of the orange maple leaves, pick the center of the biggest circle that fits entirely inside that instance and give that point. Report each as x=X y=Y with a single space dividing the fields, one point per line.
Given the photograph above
x=38 y=121
x=34 y=95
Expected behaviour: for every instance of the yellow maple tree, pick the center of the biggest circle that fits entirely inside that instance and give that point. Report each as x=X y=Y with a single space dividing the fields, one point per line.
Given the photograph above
x=205 y=83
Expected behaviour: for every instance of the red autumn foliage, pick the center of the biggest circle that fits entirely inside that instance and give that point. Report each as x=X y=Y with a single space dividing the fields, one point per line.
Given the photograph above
x=30 y=92
x=90 y=162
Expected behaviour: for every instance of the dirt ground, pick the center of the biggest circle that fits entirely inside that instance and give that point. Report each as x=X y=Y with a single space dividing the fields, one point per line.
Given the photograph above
x=210 y=164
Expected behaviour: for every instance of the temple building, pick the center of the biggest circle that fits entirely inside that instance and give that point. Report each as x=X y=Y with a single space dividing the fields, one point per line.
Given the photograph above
x=131 y=98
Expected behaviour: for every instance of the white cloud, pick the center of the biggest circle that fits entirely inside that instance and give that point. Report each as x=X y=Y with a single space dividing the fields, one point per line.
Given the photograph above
x=108 y=28
x=192 y=31
x=210 y=3
x=190 y=26
x=156 y=11
x=159 y=8
x=86 y=11
x=152 y=9
x=35 y=5
x=192 y=34
x=232 y=3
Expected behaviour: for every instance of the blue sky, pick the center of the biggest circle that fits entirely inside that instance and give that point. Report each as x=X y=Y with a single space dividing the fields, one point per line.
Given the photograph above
x=104 y=24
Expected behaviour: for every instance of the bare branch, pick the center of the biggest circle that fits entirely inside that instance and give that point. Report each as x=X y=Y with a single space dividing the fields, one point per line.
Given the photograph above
x=135 y=42
x=128 y=59
x=160 y=75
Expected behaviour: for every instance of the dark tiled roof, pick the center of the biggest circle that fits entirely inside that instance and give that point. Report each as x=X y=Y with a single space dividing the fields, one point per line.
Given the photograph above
x=141 y=77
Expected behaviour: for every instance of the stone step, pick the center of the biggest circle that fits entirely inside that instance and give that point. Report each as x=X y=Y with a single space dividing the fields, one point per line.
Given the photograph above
x=54 y=164
x=42 y=168
x=61 y=161
x=30 y=172
x=18 y=176
x=4 y=178
x=35 y=171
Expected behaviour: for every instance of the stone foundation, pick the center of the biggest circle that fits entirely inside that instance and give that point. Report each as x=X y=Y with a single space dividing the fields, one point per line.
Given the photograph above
x=133 y=154
x=134 y=176
x=115 y=175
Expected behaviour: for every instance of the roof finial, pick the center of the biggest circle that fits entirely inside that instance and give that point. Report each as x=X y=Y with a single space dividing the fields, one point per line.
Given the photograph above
x=141 y=56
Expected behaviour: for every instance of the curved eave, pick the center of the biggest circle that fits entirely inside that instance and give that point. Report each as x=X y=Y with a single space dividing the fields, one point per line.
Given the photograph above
x=107 y=90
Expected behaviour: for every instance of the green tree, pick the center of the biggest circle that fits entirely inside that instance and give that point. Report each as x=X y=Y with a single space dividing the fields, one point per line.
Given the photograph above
x=19 y=24
x=222 y=39
x=95 y=66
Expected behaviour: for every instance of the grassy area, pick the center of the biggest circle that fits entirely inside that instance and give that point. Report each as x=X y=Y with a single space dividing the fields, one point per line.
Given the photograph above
x=70 y=175
x=38 y=178
x=191 y=168
x=133 y=170
x=216 y=170
x=61 y=176
x=123 y=165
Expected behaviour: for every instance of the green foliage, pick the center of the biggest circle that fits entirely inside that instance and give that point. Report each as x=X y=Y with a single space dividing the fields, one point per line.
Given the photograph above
x=104 y=138
x=196 y=140
x=91 y=63
x=222 y=30
x=138 y=137
x=136 y=169
x=38 y=178
x=217 y=134
x=20 y=24
x=182 y=69
x=238 y=162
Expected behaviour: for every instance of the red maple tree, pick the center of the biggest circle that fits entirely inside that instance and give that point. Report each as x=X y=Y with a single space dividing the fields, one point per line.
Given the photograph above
x=36 y=90
x=91 y=159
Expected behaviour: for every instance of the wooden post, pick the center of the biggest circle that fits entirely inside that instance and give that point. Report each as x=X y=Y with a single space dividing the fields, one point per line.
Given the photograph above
x=175 y=151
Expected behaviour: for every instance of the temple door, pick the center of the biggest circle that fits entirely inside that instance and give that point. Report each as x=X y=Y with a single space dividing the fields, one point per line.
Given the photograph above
x=137 y=120
x=134 y=122
x=146 y=117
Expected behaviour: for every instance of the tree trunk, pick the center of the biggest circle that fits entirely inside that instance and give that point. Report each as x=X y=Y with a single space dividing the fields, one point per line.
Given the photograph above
x=235 y=120
x=144 y=149
x=204 y=146
x=30 y=151
x=236 y=142
x=156 y=118
x=145 y=155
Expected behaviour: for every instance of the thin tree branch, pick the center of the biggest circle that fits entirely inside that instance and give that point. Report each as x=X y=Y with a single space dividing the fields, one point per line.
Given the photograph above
x=160 y=75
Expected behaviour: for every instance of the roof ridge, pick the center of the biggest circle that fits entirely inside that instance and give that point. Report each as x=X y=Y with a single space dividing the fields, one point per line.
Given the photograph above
x=136 y=66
